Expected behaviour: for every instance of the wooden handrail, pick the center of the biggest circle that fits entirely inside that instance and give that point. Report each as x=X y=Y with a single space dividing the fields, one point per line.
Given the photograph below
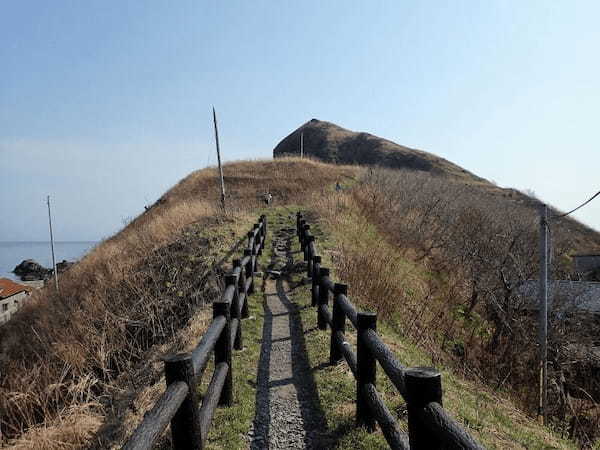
x=157 y=419
x=179 y=404
x=429 y=424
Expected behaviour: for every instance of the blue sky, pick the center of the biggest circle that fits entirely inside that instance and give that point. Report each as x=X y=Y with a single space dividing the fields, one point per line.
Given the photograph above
x=106 y=104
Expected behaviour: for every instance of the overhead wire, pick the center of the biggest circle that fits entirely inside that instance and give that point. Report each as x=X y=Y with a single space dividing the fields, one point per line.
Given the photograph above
x=558 y=216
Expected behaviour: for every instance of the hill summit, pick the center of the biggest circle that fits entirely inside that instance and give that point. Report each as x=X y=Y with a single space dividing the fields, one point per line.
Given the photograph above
x=332 y=143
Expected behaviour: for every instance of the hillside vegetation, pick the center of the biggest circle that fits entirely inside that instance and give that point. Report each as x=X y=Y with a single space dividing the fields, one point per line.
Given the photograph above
x=480 y=242
x=331 y=143
x=75 y=365
x=430 y=248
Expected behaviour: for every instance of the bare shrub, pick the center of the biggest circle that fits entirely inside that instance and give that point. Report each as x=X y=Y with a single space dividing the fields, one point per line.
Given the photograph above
x=483 y=241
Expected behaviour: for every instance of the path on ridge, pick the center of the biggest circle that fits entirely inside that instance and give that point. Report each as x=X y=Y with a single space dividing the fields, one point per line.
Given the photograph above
x=288 y=412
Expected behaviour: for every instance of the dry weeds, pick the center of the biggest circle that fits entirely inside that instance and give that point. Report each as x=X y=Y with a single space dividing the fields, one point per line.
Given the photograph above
x=79 y=357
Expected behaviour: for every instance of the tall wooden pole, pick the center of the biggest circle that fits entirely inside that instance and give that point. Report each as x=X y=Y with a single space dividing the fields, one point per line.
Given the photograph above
x=52 y=244
x=543 y=315
x=302 y=145
x=219 y=159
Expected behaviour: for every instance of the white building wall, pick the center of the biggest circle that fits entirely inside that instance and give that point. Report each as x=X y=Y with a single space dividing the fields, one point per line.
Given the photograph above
x=8 y=306
x=586 y=263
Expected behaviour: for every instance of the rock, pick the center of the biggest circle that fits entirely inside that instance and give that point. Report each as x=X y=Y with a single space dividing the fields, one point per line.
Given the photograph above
x=30 y=270
x=63 y=265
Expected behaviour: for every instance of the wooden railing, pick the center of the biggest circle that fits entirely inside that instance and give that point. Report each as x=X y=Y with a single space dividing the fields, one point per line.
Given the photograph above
x=179 y=405
x=429 y=425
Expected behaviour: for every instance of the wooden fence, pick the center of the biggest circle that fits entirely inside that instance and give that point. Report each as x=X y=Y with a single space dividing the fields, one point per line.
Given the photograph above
x=429 y=425
x=179 y=405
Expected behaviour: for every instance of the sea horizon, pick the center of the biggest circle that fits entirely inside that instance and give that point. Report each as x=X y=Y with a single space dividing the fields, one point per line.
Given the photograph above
x=45 y=242
x=12 y=253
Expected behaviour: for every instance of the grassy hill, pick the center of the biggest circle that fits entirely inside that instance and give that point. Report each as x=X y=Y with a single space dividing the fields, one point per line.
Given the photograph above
x=332 y=143
x=329 y=142
x=74 y=363
x=79 y=368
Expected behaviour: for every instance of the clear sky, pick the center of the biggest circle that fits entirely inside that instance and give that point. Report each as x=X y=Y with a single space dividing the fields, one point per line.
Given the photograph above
x=106 y=104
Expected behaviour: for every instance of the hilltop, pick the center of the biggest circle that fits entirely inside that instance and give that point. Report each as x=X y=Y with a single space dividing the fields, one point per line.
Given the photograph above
x=332 y=143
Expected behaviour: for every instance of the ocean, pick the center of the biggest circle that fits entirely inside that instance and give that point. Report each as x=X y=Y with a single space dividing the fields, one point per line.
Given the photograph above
x=12 y=253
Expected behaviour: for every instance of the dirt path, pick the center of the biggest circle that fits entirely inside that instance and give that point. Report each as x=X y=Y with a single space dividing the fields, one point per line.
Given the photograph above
x=288 y=412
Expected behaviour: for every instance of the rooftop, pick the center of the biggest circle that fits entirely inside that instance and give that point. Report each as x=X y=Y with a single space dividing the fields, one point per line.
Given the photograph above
x=9 y=288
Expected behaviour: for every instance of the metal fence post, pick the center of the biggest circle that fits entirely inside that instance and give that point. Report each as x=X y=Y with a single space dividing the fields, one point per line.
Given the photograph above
x=185 y=425
x=366 y=369
x=338 y=323
x=423 y=386
x=223 y=350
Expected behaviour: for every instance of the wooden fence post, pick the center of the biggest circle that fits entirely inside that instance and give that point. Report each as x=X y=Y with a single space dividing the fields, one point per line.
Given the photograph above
x=185 y=425
x=306 y=241
x=315 y=280
x=423 y=385
x=242 y=287
x=298 y=219
x=366 y=370
x=223 y=350
x=338 y=323
x=250 y=236
x=323 y=298
x=257 y=240
x=264 y=222
x=249 y=273
x=309 y=257
x=254 y=261
x=302 y=223
x=230 y=280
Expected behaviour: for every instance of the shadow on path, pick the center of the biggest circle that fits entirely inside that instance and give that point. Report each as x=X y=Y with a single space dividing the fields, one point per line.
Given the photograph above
x=288 y=410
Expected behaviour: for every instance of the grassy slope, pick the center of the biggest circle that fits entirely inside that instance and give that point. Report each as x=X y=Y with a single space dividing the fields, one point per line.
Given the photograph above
x=118 y=401
x=82 y=366
x=489 y=416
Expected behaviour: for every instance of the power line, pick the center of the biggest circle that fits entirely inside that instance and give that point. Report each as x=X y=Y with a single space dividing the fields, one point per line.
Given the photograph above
x=558 y=216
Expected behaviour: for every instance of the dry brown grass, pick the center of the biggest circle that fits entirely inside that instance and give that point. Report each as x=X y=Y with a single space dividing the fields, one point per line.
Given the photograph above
x=67 y=358
x=443 y=261
x=412 y=309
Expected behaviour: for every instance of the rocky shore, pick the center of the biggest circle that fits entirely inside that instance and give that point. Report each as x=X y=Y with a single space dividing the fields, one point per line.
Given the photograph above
x=31 y=270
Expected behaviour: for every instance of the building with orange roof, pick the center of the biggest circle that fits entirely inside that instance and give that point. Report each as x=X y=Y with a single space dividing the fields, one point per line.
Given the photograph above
x=12 y=297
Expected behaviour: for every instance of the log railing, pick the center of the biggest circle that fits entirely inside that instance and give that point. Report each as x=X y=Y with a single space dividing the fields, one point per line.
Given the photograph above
x=429 y=425
x=179 y=405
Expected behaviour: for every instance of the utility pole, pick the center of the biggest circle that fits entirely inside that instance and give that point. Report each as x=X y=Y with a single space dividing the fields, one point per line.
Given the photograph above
x=543 y=315
x=302 y=144
x=219 y=159
x=52 y=244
